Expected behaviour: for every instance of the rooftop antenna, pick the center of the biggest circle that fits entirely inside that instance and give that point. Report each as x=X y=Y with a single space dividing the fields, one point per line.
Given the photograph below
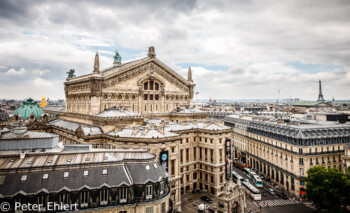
x=278 y=95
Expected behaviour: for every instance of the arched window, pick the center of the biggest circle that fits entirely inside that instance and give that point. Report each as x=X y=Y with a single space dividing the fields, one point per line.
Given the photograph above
x=151 y=85
x=145 y=86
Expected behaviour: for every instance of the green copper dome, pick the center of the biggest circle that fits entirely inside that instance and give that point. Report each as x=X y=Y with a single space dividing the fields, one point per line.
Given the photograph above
x=28 y=108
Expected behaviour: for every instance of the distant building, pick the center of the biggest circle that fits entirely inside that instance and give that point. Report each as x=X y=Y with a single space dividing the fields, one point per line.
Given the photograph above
x=4 y=116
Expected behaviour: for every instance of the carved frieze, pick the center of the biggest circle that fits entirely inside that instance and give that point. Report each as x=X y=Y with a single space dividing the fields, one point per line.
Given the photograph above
x=137 y=71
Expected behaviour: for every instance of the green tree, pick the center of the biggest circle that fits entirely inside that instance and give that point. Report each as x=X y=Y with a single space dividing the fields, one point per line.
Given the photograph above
x=328 y=189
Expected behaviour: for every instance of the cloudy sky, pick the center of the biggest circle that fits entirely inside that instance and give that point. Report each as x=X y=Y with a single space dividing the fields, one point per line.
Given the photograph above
x=237 y=49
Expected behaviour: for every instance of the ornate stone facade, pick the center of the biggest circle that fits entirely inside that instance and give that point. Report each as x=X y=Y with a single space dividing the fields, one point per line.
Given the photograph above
x=144 y=86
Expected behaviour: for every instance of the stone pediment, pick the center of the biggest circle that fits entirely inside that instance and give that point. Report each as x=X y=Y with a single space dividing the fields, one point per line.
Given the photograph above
x=152 y=66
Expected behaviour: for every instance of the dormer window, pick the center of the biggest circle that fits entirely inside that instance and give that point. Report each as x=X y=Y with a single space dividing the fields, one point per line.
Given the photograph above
x=123 y=195
x=103 y=197
x=86 y=173
x=149 y=191
x=162 y=188
x=147 y=167
x=24 y=178
x=104 y=172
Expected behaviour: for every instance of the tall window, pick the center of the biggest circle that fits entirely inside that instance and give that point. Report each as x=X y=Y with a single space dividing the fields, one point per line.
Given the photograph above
x=149 y=191
x=42 y=200
x=145 y=86
x=145 y=97
x=84 y=197
x=104 y=197
x=149 y=210
x=173 y=167
x=161 y=187
x=163 y=207
x=151 y=85
x=64 y=198
x=123 y=195
x=156 y=86
x=187 y=155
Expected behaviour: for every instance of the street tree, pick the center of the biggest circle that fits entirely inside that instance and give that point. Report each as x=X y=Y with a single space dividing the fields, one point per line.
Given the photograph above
x=328 y=189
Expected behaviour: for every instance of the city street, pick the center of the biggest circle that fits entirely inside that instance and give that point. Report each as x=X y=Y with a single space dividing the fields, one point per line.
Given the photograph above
x=272 y=203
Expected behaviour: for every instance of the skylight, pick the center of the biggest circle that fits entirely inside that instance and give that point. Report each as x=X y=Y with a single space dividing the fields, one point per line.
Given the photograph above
x=45 y=176
x=66 y=174
x=24 y=178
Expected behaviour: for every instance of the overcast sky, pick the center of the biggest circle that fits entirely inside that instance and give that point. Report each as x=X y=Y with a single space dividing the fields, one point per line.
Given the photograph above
x=237 y=49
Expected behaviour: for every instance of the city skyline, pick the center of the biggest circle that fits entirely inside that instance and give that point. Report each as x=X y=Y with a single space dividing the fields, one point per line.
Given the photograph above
x=236 y=50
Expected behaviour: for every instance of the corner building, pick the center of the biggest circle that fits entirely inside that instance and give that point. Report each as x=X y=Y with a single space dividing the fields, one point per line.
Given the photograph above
x=284 y=150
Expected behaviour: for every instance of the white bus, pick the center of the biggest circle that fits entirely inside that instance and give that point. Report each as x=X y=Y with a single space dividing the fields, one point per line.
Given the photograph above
x=252 y=191
x=249 y=173
x=236 y=178
x=257 y=181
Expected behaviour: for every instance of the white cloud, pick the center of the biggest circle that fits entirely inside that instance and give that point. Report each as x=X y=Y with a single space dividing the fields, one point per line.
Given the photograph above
x=39 y=82
x=255 y=39
x=13 y=71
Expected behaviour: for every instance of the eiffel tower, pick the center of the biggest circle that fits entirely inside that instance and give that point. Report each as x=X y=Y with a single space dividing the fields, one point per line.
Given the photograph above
x=320 y=96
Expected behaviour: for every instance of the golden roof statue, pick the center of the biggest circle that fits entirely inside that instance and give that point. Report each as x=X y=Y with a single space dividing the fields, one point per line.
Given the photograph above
x=43 y=102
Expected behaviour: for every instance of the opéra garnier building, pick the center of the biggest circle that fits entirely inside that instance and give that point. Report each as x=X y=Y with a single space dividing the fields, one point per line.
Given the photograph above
x=143 y=86
x=144 y=104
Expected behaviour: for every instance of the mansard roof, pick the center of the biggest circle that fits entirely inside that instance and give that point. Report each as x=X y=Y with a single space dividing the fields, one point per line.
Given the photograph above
x=72 y=126
x=300 y=130
x=124 y=167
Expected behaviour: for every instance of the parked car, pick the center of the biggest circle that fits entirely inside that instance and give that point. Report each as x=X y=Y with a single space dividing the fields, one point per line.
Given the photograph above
x=268 y=179
x=203 y=207
x=271 y=191
x=207 y=199
x=281 y=195
x=262 y=177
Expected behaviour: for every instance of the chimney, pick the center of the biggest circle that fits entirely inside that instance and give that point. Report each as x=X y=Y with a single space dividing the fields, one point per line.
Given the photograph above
x=97 y=64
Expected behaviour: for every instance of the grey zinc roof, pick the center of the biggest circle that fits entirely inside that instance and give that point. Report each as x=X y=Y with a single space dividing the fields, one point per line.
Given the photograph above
x=153 y=173
x=26 y=135
x=305 y=130
x=116 y=176
x=113 y=112
x=72 y=126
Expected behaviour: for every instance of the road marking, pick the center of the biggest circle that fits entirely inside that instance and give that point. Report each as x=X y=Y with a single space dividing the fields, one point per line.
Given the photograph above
x=255 y=203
